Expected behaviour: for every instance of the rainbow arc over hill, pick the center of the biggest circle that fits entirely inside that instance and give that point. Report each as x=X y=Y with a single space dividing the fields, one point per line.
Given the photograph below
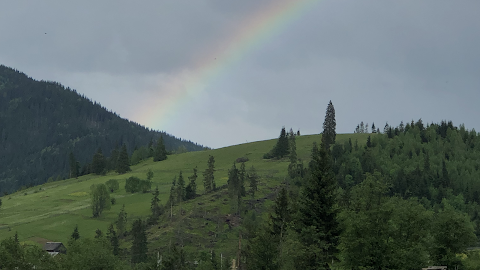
x=186 y=85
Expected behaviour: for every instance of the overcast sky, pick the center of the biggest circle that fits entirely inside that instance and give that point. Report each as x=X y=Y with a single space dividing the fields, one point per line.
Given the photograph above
x=377 y=61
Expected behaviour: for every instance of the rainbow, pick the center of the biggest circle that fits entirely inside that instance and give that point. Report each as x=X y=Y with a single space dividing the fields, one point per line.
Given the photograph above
x=186 y=85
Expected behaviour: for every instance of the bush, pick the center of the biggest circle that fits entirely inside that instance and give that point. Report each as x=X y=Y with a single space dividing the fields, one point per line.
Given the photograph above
x=242 y=159
x=132 y=184
x=112 y=185
x=114 y=201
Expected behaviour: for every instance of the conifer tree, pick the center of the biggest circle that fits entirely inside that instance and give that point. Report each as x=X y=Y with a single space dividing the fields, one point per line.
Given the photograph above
x=234 y=189
x=281 y=148
x=329 y=127
x=191 y=189
x=155 y=207
x=208 y=175
x=99 y=163
x=242 y=175
x=139 y=248
x=113 y=239
x=75 y=235
x=160 y=152
x=253 y=179
x=281 y=216
x=374 y=129
x=180 y=188
x=123 y=163
x=98 y=233
x=74 y=166
x=121 y=222
x=293 y=146
x=317 y=224
x=113 y=160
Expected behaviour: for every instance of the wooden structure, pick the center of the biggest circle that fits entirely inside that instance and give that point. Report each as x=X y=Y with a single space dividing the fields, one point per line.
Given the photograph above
x=53 y=248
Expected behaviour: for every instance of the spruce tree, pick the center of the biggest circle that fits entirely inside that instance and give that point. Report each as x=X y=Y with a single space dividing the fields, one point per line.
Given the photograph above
x=234 y=189
x=253 y=180
x=242 y=175
x=281 y=214
x=329 y=126
x=121 y=222
x=317 y=223
x=281 y=149
x=155 y=207
x=293 y=146
x=123 y=163
x=75 y=235
x=99 y=163
x=139 y=248
x=208 y=175
x=112 y=161
x=98 y=233
x=113 y=239
x=74 y=166
x=180 y=188
x=191 y=189
x=160 y=152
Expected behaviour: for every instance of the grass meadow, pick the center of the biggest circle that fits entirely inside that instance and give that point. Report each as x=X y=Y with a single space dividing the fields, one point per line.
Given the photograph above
x=50 y=212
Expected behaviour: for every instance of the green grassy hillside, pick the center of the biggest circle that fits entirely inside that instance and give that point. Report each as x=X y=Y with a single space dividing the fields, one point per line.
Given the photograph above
x=51 y=211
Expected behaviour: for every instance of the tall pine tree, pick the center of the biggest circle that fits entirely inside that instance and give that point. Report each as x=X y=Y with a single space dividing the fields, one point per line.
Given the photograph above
x=208 y=177
x=160 y=152
x=329 y=126
x=139 y=248
x=317 y=224
x=191 y=189
x=123 y=162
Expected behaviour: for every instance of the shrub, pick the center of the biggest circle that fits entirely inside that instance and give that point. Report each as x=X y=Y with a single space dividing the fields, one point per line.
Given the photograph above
x=112 y=185
x=241 y=159
x=132 y=184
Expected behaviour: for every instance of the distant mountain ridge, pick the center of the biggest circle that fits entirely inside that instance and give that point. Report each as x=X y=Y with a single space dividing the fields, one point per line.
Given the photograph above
x=42 y=122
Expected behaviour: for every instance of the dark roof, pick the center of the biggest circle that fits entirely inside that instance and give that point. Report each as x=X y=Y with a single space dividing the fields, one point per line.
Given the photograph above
x=52 y=246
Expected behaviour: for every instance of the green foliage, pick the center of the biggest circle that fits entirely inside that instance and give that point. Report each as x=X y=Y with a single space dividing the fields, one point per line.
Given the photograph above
x=235 y=189
x=191 y=189
x=329 y=126
x=180 y=188
x=113 y=238
x=155 y=208
x=281 y=149
x=90 y=254
x=121 y=222
x=453 y=232
x=99 y=163
x=317 y=223
x=160 y=152
x=74 y=166
x=208 y=175
x=134 y=184
x=139 y=155
x=100 y=199
x=396 y=231
x=252 y=177
x=112 y=185
x=149 y=175
x=281 y=216
x=75 y=234
x=59 y=121
x=123 y=163
x=139 y=245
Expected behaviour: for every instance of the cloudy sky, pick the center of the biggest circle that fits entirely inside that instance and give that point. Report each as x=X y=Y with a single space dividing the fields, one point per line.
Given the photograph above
x=224 y=72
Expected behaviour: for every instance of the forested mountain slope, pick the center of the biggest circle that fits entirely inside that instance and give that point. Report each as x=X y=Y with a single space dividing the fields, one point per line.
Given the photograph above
x=42 y=122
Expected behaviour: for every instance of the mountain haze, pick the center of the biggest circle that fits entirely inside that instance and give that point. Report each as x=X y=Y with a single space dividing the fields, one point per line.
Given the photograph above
x=41 y=122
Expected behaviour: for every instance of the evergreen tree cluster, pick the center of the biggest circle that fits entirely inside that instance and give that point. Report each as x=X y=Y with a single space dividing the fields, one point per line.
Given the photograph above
x=64 y=130
x=281 y=148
